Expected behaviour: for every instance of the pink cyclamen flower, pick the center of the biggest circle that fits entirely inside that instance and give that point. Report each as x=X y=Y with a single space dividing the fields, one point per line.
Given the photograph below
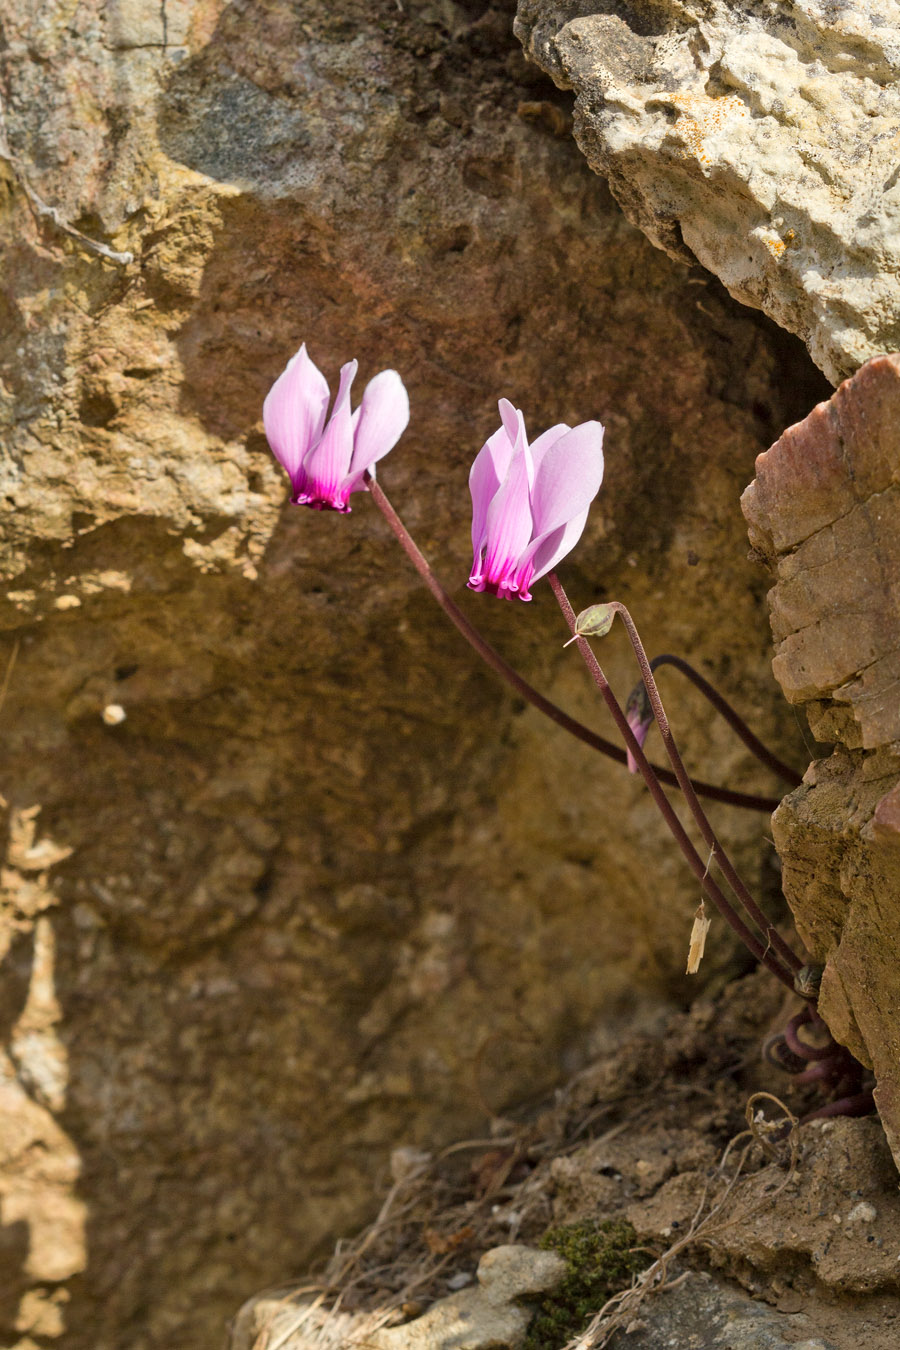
x=326 y=461
x=530 y=502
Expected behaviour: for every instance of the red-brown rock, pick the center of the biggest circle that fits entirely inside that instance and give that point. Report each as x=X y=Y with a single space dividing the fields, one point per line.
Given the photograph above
x=824 y=512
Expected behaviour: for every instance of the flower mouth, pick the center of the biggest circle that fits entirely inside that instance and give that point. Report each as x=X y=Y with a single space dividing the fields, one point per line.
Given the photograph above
x=321 y=503
x=504 y=588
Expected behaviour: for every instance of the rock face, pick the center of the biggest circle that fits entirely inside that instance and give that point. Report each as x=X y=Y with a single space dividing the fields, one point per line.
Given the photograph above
x=824 y=511
x=305 y=881
x=759 y=139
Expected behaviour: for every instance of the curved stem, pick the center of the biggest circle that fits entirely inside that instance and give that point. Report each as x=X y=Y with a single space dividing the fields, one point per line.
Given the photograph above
x=734 y=719
x=819 y=1072
x=861 y=1104
x=527 y=691
x=724 y=863
x=800 y=1048
x=765 y=954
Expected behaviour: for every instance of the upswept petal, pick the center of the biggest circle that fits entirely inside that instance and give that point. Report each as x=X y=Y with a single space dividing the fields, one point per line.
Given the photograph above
x=327 y=463
x=543 y=443
x=549 y=549
x=513 y=422
x=294 y=410
x=379 y=421
x=508 y=527
x=569 y=477
x=485 y=476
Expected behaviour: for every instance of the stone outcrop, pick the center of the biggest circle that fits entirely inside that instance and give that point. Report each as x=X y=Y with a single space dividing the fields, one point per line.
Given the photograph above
x=824 y=512
x=492 y=1312
x=758 y=139
x=305 y=880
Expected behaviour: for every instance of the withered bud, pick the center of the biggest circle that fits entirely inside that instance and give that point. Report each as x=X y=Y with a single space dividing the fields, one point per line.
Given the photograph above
x=808 y=981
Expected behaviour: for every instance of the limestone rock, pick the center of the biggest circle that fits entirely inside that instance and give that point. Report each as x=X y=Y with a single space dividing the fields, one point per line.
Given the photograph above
x=702 y=1313
x=824 y=511
x=490 y=1315
x=799 y=1249
x=826 y=506
x=845 y=1166
x=758 y=139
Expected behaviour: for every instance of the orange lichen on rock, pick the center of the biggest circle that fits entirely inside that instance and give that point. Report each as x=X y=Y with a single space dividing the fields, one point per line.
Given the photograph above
x=701 y=117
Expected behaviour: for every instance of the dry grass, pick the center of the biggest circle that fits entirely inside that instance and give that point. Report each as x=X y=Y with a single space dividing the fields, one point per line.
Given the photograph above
x=442 y=1212
x=721 y=1205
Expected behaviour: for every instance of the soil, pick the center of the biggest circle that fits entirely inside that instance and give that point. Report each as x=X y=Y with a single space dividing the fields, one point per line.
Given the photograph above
x=804 y=1220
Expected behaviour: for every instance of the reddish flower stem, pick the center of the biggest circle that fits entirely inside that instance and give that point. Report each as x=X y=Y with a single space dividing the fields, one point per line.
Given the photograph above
x=527 y=691
x=763 y=953
x=861 y=1104
x=800 y=1048
x=724 y=863
x=734 y=720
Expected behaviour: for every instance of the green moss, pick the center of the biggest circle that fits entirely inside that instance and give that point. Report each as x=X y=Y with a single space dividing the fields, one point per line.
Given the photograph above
x=601 y=1261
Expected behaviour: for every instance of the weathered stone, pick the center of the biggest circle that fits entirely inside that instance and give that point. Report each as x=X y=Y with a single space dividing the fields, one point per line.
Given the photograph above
x=805 y=1232
x=823 y=512
x=701 y=1313
x=826 y=505
x=759 y=139
x=799 y=1249
x=329 y=886
x=490 y=1315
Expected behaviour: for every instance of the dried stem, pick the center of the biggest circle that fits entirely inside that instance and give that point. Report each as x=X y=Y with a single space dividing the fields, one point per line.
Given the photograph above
x=526 y=690
x=765 y=954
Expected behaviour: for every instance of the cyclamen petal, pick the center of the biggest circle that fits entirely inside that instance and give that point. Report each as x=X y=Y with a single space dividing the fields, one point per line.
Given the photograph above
x=487 y=473
x=513 y=423
x=552 y=547
x=326 y=461
x=639 y=716
x=569 y=477
x=294 y=411
x=526 y=519
x=640 y=728
x=543 y=443
x=508 y=524
x=379 y=421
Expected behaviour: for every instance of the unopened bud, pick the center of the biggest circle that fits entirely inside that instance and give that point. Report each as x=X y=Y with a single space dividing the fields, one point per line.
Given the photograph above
x=639 y=716
x=808 y=981
x=595 y=621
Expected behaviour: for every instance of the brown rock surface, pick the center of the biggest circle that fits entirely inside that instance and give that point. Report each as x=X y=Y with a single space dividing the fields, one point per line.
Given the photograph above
x=824 y=511
x=326 y=886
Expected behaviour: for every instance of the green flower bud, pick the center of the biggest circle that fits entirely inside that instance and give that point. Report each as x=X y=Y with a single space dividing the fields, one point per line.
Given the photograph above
x=595 y=621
